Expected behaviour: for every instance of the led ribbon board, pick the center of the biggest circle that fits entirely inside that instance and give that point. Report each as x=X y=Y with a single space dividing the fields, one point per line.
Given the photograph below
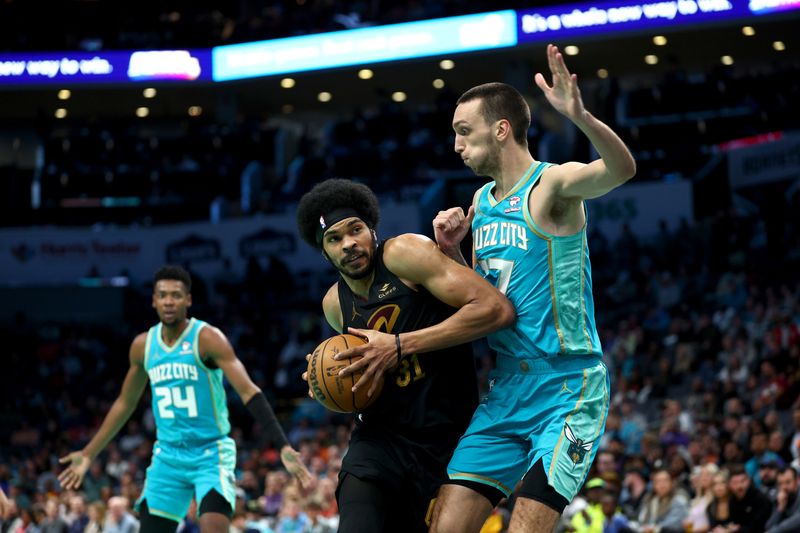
x=593 y=18
x=366 y=45
x=64 y=68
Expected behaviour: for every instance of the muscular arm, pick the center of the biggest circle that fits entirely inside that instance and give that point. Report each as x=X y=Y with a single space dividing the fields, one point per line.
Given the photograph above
x=615 y=166
x=482 y=309
x=214 y=346
x=126 y=402
x=332 y=309
x=585 y=181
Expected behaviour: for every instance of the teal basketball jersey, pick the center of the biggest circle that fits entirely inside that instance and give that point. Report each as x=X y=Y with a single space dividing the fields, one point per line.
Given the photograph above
x=189 y=402
x=546 y=277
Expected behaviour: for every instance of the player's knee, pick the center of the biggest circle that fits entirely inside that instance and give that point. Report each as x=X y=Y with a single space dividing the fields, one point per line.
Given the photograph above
x=459 y=510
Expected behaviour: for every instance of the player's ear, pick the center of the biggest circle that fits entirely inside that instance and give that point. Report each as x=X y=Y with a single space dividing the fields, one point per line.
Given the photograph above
x=374 y=236
x=325 y=255
x=502 y=129
x=189 y=300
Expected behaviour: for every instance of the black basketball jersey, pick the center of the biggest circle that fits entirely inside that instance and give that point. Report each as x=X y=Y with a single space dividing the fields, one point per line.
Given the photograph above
x=429 y=398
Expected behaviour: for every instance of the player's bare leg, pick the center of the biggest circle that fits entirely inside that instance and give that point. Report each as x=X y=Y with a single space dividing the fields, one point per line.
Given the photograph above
x=530 y=515
x=214 y=523
x=459 y=510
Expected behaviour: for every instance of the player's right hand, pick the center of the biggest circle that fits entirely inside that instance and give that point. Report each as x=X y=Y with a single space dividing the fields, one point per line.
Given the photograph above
x=451 y=226
x=72 y=476
x=305 y=378
x=291 y=461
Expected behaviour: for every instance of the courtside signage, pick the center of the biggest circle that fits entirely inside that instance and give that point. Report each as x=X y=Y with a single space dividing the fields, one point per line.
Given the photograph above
x=595 y=18
x=366 y=45
x=104 y=67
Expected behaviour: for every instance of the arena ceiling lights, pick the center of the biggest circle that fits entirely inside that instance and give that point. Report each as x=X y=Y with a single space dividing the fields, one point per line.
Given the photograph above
x=366 y=46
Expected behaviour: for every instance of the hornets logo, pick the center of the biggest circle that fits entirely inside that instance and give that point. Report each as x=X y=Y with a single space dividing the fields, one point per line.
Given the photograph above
x=578 y=448
x=384 y=318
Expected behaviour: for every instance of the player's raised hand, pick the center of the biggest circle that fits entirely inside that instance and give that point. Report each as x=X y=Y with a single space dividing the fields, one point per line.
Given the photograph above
x=72 y=476
x=378 y=356
x=564 y=95
x=451 y=226
x=291 y=461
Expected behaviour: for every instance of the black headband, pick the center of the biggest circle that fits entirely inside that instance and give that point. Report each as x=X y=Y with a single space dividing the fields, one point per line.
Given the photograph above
x=326 y=220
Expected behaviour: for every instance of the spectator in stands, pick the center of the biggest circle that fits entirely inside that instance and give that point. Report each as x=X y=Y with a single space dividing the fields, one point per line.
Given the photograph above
x=664 y=509
x=590 y=518
x=615 y=521
x=750 y=509
x=119 y=519
x=786 y=516
x=77 y=517
x=702 y=485
x=53 y=523
x=634 y=490
x=97 y=517
x=768 y=473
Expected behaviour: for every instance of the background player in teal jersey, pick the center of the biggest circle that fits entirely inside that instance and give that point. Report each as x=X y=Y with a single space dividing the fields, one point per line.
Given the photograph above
x=549 y=400
x=185 y=360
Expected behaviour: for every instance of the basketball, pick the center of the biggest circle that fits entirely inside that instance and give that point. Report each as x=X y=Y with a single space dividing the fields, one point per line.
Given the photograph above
x=334 y=392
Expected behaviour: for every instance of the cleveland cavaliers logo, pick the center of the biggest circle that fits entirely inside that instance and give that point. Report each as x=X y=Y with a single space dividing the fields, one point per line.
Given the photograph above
x=384 y=318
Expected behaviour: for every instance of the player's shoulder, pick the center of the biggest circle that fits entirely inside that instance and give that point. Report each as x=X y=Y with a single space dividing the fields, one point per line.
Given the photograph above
x=331 y=295
x=400 y=246
x=138 y=346
x=209 y=332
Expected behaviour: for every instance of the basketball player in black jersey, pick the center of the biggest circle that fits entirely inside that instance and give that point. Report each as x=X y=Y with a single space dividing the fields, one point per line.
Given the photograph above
x=418 y=309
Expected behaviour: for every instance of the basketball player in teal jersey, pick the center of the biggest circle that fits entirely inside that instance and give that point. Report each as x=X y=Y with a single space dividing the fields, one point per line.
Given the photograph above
x=548 y=404
x=185 y=360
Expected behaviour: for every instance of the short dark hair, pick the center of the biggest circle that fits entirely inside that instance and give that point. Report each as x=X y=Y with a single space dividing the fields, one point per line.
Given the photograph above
x=502 y=101
x=330 y=195
x=737 y=469
x=173 y=272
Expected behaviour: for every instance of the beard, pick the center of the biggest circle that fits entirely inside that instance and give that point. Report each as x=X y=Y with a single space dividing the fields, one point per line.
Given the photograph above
x=488 y=165
x=361 y=272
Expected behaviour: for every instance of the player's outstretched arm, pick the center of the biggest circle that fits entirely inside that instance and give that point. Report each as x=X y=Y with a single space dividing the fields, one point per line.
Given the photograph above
x=616 y=164
x=214 y=346
x=481 y=308
x=120 y=412
x=4 y=505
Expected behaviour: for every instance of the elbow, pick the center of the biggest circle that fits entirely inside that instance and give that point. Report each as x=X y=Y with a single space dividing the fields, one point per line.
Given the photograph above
x=629 y=170
x=503 y=314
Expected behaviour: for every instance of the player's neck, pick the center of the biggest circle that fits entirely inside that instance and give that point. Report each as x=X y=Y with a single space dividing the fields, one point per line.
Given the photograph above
x=513 y=166
x=360 y=287
x=171 y=332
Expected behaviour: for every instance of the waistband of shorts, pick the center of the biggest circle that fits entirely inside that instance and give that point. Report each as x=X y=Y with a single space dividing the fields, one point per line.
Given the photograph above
x=191 y=443
x=559 y=363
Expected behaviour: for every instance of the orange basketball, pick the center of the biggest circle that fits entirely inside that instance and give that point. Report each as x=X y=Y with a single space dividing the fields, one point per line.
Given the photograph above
x=334 y=392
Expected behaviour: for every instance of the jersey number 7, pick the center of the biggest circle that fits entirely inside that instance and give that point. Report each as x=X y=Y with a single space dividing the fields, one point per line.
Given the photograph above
x=497 y=271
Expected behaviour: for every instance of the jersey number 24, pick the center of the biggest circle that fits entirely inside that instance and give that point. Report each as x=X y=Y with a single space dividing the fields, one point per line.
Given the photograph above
x=171 y=398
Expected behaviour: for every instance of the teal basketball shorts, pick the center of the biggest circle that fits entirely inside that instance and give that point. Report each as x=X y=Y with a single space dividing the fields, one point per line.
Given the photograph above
x=550 y=409
x=179 y=471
